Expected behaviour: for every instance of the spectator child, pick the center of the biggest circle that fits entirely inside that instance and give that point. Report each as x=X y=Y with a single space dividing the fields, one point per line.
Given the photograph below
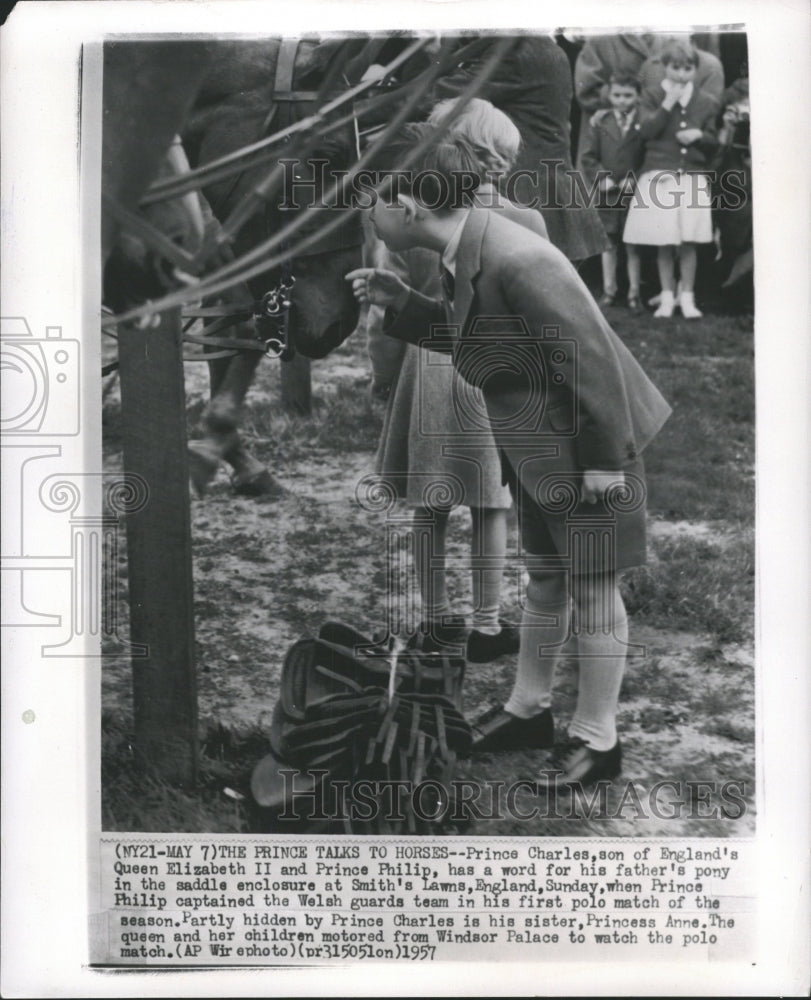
x=612 y=154
x=671 y=206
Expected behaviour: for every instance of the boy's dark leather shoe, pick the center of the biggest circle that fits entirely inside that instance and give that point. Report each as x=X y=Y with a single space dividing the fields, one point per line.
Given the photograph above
x=573 y=762
x=499 y=730
x=483 y=648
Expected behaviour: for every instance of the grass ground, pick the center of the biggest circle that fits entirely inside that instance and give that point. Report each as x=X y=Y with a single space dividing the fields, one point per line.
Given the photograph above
x=267 y=573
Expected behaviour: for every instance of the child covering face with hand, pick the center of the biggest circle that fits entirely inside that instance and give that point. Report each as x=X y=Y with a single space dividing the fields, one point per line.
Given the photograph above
x=672 y=209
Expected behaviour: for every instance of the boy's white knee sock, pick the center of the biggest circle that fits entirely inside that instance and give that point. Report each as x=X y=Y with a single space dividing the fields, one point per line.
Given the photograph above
x=544 y=629
x=602 y=664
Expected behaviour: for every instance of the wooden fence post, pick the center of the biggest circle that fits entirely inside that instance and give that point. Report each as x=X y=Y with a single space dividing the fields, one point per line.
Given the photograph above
x=153 y=410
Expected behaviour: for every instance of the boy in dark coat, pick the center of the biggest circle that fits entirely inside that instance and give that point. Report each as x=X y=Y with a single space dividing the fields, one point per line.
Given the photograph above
x=611 y=157
x=570 y=410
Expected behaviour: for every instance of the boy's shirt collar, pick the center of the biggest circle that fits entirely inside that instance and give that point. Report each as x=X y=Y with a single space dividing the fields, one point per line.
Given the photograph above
x=452 y=246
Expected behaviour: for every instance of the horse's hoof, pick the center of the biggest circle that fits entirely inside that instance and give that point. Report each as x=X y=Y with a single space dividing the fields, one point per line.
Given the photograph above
x=203 y=464
x=259 y=484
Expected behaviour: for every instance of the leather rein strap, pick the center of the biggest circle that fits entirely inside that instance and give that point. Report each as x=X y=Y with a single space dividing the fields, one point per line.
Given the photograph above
x=224 y=316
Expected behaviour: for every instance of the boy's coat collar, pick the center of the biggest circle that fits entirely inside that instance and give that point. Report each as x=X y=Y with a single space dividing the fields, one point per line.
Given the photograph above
x=469 y=261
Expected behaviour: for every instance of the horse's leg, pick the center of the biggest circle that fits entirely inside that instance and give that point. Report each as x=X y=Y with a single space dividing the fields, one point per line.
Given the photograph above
x=230 y=380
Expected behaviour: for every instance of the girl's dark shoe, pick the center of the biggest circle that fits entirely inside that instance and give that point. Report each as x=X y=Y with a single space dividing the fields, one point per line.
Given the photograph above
x=448 y=637
x=483 y=648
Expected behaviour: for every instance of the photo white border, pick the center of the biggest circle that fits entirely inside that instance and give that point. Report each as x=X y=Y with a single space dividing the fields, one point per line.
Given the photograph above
x=49 y=787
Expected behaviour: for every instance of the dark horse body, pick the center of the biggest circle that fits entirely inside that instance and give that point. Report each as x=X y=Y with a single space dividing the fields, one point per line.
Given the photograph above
x=242 y=100
x=221 y=96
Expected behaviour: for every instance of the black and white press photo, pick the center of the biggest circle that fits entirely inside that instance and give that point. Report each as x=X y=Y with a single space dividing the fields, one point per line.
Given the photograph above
x=403 y=498
x=477 y=568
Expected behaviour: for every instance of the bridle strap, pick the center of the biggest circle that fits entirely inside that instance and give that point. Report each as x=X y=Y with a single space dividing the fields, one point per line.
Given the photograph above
x=152 y=236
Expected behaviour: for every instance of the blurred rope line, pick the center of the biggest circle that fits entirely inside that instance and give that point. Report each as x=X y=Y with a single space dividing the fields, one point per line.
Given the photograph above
x=252 y=264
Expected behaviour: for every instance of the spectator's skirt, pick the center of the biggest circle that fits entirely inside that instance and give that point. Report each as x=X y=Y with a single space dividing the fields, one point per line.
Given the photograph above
x=669 y=208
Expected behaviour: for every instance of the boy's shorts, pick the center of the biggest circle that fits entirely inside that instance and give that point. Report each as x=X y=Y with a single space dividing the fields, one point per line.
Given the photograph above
x=564 y=534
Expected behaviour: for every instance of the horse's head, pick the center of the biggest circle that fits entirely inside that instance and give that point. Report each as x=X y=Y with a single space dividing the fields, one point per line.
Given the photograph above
x=324 y=311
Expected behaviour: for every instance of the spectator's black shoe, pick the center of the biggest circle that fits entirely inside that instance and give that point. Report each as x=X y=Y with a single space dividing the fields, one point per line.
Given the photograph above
x=573 y=762
x=499 y=730
x=606 y=299
x=482 y=648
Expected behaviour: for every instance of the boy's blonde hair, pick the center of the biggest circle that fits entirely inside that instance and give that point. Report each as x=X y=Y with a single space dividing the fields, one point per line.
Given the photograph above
x=491 y=133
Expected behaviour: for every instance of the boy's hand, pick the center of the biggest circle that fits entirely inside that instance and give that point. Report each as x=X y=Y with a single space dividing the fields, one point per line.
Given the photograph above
x=378 y=287
x=688 y=135
x=596 y=483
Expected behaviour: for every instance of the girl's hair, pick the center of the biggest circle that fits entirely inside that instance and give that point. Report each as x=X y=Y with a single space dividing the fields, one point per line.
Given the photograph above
x=491 y=133
x=680 y=51
x=444 y=175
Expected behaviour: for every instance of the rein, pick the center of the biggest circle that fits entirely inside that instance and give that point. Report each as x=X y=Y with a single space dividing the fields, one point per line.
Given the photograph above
x=280 y=247
x=270 y=313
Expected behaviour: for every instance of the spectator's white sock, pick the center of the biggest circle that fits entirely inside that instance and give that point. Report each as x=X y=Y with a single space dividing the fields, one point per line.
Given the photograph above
x=667 y=303
x=687 y=304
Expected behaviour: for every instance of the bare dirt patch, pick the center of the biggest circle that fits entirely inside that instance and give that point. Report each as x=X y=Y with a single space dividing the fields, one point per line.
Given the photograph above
x=267 y=573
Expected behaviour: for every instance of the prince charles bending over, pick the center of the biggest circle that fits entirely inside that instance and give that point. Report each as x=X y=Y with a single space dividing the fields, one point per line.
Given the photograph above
x=571 y=412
